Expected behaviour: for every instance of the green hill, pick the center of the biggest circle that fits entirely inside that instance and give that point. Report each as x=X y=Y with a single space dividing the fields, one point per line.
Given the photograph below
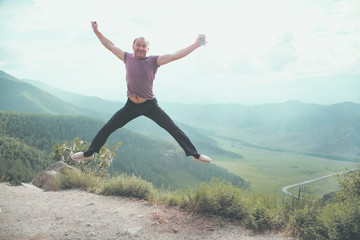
x=81 y=101
x=27 y=139
x=160 y=162
x=16 y=95
x=330 y=131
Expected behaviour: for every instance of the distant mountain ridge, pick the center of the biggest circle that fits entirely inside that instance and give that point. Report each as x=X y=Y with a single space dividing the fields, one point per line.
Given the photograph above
x=322 y=130
x=325 y=130
x=89 y=102
x=16 y=95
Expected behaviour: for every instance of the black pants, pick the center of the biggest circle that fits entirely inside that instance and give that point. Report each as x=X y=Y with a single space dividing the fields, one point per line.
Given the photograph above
x=130 y=111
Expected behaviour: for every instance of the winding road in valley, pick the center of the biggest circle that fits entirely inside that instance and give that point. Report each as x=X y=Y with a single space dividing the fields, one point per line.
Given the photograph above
x=285 y=189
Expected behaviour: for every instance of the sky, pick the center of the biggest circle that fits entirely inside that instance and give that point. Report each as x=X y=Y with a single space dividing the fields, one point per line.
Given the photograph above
x=258 y=51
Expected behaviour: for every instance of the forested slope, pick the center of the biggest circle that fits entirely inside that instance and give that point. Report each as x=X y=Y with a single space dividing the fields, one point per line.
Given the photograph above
x=27 y=140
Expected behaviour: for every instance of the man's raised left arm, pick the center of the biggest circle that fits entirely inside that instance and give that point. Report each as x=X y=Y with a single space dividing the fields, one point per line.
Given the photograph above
x=164 y=59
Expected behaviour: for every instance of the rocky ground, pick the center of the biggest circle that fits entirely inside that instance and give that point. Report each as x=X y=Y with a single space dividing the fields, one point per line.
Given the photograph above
x=28 y=212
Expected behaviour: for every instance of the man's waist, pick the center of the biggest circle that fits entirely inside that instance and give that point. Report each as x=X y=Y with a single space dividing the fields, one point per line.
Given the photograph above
x=137 y=99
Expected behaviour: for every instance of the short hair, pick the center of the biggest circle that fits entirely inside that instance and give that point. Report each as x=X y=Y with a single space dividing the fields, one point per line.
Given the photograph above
x=147 y=42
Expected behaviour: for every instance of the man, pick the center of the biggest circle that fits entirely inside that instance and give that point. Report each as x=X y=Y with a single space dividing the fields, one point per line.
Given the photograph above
x=140 y=74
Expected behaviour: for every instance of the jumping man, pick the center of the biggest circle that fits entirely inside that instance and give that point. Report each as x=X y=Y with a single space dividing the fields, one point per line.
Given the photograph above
x=140 y=75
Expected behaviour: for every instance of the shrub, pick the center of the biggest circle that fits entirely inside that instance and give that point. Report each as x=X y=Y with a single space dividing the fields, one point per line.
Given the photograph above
x=305 y=224
x=336 y=218
x=349 y=184
x=258 y=219
x=341 y=216
x=127 y=186
x=72 y=178
x=98 y=165
x=341 y=220
x=262 y=213
x=217 y=197
x=168 y=197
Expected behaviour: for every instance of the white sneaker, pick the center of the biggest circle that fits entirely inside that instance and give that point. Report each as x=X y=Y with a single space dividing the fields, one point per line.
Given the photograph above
x=80 y=156
x=202 y=159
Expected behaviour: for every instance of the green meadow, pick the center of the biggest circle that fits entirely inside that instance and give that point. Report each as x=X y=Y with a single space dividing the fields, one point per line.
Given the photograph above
x=269 y=171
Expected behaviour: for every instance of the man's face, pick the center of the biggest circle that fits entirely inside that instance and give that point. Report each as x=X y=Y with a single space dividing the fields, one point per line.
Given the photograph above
x=140 y=48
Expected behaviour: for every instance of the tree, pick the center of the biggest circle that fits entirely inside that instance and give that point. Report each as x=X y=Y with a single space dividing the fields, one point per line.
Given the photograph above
x=98 y=165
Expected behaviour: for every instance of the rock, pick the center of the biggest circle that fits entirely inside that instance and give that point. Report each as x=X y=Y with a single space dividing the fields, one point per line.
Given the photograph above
x=32 y=187
x=47 y=178
x=91 y=234
x=130 y=231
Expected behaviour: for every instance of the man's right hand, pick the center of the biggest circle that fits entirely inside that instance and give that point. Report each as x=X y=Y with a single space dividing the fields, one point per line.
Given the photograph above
x=107 y=43
x=94 y=25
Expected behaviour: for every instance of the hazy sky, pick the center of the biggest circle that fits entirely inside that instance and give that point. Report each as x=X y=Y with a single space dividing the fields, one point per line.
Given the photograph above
x=258 y=51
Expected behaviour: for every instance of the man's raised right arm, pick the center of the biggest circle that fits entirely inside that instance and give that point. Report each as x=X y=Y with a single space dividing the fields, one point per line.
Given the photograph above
x=107 y=43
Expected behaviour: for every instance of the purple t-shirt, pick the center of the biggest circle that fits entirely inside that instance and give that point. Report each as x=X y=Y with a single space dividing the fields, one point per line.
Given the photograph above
x=140 y=75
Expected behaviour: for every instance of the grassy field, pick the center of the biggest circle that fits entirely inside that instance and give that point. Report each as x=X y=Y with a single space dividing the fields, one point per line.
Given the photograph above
x=269 y=171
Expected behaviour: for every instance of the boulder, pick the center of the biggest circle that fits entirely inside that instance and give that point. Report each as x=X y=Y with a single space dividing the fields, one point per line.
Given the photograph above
x=47 y=178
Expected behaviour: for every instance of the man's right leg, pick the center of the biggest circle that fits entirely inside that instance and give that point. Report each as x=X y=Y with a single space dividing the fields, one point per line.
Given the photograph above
x=120 y=118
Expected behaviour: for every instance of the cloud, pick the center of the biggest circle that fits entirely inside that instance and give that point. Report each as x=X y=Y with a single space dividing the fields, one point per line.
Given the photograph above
x=255 y=48
x=283 y=53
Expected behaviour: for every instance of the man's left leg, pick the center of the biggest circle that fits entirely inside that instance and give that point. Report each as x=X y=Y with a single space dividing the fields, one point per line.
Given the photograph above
x=163 y=120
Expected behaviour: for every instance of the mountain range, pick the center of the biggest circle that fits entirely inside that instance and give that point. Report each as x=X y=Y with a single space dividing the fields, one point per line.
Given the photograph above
x=331 y=131
x=32 y=121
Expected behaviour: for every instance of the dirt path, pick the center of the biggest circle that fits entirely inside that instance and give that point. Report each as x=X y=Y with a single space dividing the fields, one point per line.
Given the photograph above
x=27 y=212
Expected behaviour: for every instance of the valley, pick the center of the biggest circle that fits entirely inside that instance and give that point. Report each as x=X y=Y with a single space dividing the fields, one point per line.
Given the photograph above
x=270 y=145
x=269 y=171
